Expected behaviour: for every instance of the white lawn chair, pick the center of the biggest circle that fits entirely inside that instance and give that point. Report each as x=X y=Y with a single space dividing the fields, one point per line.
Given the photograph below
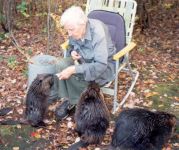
x=124 y=22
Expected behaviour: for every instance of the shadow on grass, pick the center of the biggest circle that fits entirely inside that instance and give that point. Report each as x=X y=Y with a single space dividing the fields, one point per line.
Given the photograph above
x=20 y=137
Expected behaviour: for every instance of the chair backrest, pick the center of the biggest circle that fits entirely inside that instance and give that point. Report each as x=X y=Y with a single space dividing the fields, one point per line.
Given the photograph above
x=126 y=8
x=115 y=23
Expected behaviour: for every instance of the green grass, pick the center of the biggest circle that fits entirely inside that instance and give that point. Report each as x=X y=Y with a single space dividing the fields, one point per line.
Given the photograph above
x=12 y=136
x=166 y=97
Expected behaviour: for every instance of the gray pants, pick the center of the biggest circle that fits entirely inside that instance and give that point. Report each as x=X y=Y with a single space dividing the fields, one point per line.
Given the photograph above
x=72 y=87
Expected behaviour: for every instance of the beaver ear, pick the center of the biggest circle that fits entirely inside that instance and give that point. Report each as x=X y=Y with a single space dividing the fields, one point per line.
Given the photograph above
x=40 y=77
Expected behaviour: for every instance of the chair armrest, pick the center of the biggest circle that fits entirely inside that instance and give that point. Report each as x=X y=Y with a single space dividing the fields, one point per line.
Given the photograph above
x=124 y=51
x=65 y=45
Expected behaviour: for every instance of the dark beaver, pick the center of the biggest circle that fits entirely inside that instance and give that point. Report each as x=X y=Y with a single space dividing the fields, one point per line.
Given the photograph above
x=141 y=129
x=36 y=99
x=91 y=117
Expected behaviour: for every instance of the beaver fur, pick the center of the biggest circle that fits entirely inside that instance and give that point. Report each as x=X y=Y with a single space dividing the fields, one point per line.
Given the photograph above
x=141 y=129
x=91 y=117
x=36 y=99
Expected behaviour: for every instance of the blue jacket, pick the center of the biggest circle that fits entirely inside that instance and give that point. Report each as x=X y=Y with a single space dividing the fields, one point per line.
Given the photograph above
x=96 y=50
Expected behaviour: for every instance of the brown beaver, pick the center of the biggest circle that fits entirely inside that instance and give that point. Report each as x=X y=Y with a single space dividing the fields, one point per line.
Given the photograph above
x=36 y=102
x=91 y=117
x=141 y=129
x=36 y=99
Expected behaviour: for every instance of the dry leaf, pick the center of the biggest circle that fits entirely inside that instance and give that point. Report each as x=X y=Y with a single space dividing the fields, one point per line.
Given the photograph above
x=176 y=144
x=35 y=135
x=176 y=98
x=150 y=94
x=19 y=126
x=20 y=111
x=77 y=139
x=150 y=81
x=148 y=104
x=15 y=148
x=70 y=124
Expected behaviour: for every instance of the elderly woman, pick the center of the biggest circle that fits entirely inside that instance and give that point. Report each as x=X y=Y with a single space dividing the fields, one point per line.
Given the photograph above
x=90 y=45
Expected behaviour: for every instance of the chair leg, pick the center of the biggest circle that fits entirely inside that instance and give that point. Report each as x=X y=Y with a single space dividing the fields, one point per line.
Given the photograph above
x=134 y=74
x=115 y=103
x=131 y=88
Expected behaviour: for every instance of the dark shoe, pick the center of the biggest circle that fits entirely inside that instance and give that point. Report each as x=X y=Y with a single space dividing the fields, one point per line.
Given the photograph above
x=78 y=145
x=63 y=110
x=5 y=111
x=39 y=124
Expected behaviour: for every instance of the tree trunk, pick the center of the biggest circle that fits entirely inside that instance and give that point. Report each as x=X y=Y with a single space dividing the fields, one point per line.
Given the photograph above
x=144 y=16
x=6 y=14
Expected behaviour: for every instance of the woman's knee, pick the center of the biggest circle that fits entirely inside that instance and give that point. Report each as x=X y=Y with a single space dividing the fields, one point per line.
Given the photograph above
x=63 y=63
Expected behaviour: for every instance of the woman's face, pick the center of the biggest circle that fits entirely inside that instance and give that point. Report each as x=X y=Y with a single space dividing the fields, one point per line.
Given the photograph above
x=75 y=31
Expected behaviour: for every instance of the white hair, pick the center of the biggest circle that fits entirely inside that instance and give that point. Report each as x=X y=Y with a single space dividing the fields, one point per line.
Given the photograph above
x=73 y=16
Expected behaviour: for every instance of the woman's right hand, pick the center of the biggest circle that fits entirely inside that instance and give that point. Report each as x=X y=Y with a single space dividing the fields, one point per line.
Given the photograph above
x=75 y=55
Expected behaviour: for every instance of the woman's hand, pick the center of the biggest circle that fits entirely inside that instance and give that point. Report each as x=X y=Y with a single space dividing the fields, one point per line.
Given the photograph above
x=75 y=55
x=66 y=73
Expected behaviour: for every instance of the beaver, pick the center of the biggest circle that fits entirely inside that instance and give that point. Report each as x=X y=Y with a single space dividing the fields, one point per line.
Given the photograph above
x=37 y=97
x=36 y=102
x=141 y=129
x=91 y=117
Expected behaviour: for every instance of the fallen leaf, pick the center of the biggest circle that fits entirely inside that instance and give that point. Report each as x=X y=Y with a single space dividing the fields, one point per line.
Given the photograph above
x=68 y=118
x=176 y=144
x=150 y=94
x=20 y=111
x=15 y=148
x=35 y=135
x=77 y=139
x=176 y=98
x=148 y=104
x=150 y=81
x=70 y=124
x=19 y=126
x=13 y=81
